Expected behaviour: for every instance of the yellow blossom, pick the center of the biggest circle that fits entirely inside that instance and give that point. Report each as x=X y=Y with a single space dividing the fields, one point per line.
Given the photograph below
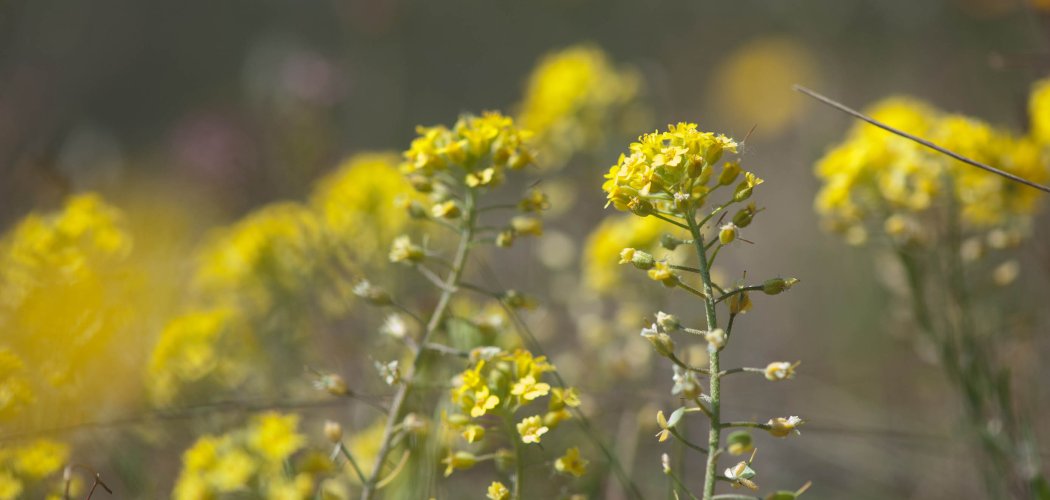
x=571 y=463
x=780 y=370
x=531 y=428
x=498 y=491
x=275 y=437
x=527 y=388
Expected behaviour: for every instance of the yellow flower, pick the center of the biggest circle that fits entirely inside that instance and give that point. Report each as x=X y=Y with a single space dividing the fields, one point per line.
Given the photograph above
x=780 y=370
x=473 y=433
x=571 y=463
x=561 y=398
x=782 y=427
x=1039 y=111
x=531 y=428
x=403 y=250
x=662 y=272
x=665 y=429
x=607 y=241
x=40 y=458
x=574 y=97
x=446 y=210
x=232 y=470
x=498 y=491
x=10 y=486
x=483 y=402
x=274 y=436
x=528 y=388
x=461 y=460
x=527 y=226
x=490 y=141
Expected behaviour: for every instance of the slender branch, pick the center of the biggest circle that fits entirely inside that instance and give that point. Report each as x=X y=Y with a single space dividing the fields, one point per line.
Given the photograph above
x=669 y=220
x=433 y=278
x=742 y=369
x=691 y=290
x=714 y=434
x=342 y=450
x=735 y=291
x=750 y=425
x=684 y=268
x=683 y=440
x=861 y=116
x=436 y=320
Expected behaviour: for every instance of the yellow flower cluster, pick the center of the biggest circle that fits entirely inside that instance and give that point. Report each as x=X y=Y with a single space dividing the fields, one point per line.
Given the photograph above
x=256 y=281
x=669 y=171
x=246 y=462
x=874 y=176
x=23 y=467
x=571 y=99
x=502 y=383
x=475 y=152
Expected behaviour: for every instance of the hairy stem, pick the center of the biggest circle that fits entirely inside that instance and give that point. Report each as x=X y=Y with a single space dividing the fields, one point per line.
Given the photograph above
x=436 y=319
x=715 y=434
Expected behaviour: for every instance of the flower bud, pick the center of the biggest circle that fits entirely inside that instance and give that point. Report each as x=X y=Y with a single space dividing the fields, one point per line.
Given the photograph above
x=776 y=285
x=446 y=210
x=745 y=215
x=780 y=370
x=740 y=303
x=416 y=210
x=403 y=250
x=730 y=171
x=473 y=433
x=743 y=190
x=782 y=427
x=668 y=322
x=716 y=339
x=372 y=294
x=553 y=418
x=459 y=460
x=332 y=384
x=641 y=260
x=727 y=233
x=534 y=201
x=527 y=226
x=640 y=207
x=739 y=442
x=505 y=238
x=517 y=300
x=669 y=242
x=662 y=342
x=661 y=271
x=686 y=384
x=333 y=432
x=421 y=183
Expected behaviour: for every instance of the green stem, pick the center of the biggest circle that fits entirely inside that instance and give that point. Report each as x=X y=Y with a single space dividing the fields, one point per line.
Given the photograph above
x=436 y=320
x=353 y=463
x=715 y=434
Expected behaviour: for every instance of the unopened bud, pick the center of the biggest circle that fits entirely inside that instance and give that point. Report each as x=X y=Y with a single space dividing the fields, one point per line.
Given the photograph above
x=727 y=233
x=662 y=342
x=716 y=339
x=669 y=242
x=668 y=322
x=730 y=171
x=641 y=260
x=777 y=285
x=740 y=303
x=739 y=442
x=745 y=215
x=333 y=432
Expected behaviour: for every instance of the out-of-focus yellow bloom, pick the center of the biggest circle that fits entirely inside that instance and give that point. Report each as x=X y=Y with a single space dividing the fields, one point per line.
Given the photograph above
x=24 y=467
x=571 y=463
x=250 y=460
x=572 y=99
x=783 y=427
x=356 y=205
x=527 y=388
x=1039 y=110
x=498 y=491
x=752 y=85
x=477 y=149
x=876 y=175
x=197 y=345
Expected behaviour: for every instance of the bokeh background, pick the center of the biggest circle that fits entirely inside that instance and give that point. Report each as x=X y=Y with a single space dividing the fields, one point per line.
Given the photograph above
x=189 y=115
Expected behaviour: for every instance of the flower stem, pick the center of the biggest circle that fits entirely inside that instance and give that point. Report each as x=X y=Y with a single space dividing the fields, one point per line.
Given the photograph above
x=714 y=435
x=436 y=319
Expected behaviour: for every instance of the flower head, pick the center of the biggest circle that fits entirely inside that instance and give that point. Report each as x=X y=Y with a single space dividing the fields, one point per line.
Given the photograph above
x=531 y=428
x=571 y=463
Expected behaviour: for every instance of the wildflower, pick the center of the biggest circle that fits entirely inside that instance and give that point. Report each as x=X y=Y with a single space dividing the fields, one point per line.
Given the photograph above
x=667 y=424
x=716 y=339
x=473 y=433
x=498 y=491
x=390 y=372
x=274 y=436
x=530 y=226
x=446 y=210
x=403 y=250
x=571 y=463
x=740 y=303
x=528 y=388
x=686 y=384
x=534 y=201
x=668 y=322
x=727 y=233
x=483 y=402
x=505 y=238
x=371 y=293
x=460 y=460
x=741 y=474
x=746 y=186
x=782 y=427
x=333 y=384
x=662 y=342
x=641 y=260
x=780 y=370
x=561 y=398
x=553 y=418
x=395 y=326
x=333 y=432
x=531 y=428
x=487 y=177
x=661 y=271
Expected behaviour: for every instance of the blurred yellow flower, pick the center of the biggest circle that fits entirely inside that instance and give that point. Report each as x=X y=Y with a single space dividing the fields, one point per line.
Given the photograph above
x=574 y=98
x=571 y=463
x=274 y=435
x=752 y=86
x=606 y=241
x=531 y=428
